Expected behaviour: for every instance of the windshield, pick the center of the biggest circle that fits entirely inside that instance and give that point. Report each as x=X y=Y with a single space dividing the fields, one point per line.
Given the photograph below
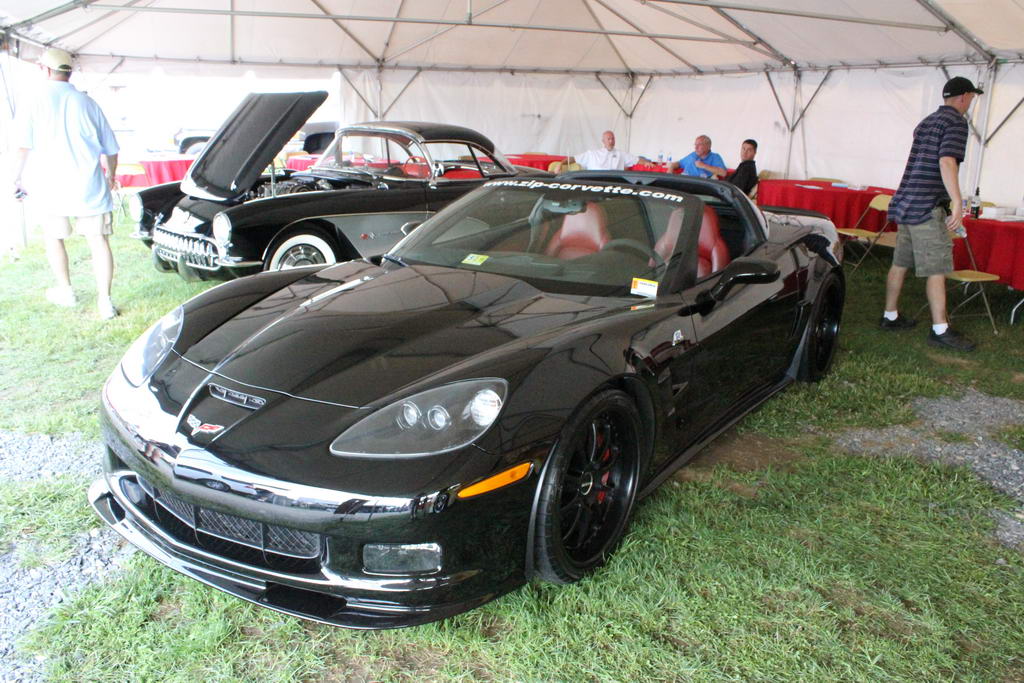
x=375 y=153
x=596 y=239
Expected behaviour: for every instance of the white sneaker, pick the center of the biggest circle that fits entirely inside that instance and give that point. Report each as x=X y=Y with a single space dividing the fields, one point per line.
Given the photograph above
x=107 y=309
x=61 y=296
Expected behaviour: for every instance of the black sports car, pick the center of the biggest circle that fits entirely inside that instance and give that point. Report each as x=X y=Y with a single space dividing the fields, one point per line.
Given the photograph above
x=390 y=441
x=227 y=218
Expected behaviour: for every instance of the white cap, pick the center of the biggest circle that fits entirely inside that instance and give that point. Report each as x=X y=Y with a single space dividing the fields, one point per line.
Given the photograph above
x=56 y=59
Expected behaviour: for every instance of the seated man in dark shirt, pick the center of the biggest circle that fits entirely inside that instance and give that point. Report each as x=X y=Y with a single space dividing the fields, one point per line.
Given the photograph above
x=745 y=175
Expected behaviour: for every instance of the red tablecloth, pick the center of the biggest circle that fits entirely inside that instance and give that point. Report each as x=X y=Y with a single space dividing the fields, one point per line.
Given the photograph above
x=541 y=161
x=653 y=168
x=998 y=248
x=300 y=162
x=166 y=169
x=132 y=179
x=843 y=205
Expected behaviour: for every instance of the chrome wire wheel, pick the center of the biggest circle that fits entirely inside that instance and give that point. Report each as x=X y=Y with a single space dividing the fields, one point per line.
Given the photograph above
x=299 y=250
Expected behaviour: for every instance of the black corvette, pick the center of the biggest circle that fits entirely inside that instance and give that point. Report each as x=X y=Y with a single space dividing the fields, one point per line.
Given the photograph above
x=387 y=442
x=228 y=218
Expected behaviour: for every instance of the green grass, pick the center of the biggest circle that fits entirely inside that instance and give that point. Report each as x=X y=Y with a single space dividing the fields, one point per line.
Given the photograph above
x=56 y=359
x=1012 y=437
x=826 y=567
x=43 y=516
x=839 y=568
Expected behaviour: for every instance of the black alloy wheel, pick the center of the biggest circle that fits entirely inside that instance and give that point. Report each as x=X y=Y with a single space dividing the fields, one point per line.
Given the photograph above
x=823 y=330
x=589 y=488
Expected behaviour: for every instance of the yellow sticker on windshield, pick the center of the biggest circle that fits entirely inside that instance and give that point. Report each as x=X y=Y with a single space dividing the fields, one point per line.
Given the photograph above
x=642 y=287
x=475 y=259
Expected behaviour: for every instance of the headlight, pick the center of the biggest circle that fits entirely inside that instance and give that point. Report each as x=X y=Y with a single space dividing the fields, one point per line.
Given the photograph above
x=151 y=348
x=433 y=421
x=222 y=229
x=135 y=208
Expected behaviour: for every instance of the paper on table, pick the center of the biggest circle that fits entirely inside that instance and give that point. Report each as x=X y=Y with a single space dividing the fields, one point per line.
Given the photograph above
x=809 y=187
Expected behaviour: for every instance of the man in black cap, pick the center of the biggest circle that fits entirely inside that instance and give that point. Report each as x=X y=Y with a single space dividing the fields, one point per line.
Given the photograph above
x=927 y=208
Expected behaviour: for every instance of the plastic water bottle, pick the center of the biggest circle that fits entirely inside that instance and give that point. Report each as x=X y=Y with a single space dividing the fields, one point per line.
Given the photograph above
x=661 y=158
x=961 y=231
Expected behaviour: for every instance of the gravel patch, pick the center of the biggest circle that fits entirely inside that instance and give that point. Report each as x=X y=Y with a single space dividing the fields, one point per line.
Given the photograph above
x=27 y=594
x=968 y=424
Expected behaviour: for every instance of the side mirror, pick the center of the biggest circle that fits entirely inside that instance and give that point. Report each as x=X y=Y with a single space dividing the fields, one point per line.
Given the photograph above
x=742 y=271
x=410 y=226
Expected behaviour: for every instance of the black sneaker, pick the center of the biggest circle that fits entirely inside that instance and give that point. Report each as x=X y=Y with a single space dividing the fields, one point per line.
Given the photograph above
x=900 y=323
x=950 y=339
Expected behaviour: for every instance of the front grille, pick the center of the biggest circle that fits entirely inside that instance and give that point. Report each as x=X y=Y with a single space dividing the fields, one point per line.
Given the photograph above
x=245 y=540
x=196 y=250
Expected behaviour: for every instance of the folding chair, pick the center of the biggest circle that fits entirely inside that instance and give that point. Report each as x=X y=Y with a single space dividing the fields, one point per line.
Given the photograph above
x=966 y=278
x=880 y=202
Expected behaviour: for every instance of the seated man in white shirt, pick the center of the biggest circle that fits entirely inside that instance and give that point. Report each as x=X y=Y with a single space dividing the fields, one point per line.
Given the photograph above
x=607 y=158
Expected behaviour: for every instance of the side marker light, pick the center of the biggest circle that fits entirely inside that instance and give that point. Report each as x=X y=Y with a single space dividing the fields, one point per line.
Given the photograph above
x=509 y=476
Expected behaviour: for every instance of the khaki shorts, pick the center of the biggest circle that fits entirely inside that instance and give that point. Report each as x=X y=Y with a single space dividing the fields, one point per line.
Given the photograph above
x=59 y=227
x=926 y=247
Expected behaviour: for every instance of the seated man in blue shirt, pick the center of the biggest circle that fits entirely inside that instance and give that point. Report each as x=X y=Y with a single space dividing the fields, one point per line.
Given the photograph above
x=701 y=162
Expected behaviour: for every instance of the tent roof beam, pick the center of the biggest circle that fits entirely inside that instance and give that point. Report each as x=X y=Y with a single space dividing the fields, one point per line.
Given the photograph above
x=957 y=29
x=412 y=20
x=534 y=70
x=806 y=15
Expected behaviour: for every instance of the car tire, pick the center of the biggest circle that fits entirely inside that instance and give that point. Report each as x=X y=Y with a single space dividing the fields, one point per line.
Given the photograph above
x=298 y=249
x=822 y=335
x=588 y=489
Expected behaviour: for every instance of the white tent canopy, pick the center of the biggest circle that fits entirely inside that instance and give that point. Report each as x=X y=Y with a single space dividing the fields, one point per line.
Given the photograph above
x=828 y=87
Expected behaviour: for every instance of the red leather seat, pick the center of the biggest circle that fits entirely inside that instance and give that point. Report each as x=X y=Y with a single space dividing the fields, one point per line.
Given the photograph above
x=581 y=233
x=712 y=251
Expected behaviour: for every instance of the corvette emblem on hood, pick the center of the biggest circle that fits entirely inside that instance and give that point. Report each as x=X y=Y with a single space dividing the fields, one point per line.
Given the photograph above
x=198 y=426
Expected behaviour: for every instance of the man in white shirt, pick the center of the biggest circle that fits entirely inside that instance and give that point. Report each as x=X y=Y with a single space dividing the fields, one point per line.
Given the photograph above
x=607 y=158
x=70 y=134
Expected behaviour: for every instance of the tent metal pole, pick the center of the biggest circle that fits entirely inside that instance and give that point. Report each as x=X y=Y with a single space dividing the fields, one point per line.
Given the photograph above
x=55 y=12
x=356 y=90
x=400 y=93
x=956 y=28
x=796 y=96
x=1005 y=119
x=231 y=33
x=757 y=39
x=986 y=118
x=319 y=6
x=413 y=20
x=657 y=42
x=778 y=102
x=806 y=15
x=810 y=101
x=106 y=15
x=614 y=98
x=874 y=66
x=766 y=50
x=432 y=36
x=611 y=44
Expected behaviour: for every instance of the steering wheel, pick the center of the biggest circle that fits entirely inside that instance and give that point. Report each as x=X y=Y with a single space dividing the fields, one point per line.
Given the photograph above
x=416 y=167
x=636 y=246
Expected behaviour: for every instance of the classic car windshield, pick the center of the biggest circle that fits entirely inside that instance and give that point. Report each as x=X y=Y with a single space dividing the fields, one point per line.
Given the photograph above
x=594 y=239
x=375 y=153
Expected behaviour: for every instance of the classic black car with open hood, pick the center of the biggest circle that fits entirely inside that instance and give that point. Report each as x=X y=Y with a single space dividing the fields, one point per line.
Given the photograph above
x=228 y=218
x=386 y=442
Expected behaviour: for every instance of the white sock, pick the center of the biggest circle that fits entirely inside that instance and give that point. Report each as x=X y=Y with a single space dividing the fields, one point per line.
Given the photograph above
x=890 y=315
x=940 y=328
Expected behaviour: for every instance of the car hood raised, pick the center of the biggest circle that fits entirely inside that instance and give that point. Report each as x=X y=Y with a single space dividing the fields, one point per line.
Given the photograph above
x=355 y=333
x=247 y=141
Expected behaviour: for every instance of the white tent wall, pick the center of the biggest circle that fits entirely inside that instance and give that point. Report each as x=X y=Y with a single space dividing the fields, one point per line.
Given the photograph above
x=1002 y=178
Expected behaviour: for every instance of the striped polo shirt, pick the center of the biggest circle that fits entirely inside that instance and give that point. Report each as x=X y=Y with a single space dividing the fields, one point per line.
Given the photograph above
x=941 y=134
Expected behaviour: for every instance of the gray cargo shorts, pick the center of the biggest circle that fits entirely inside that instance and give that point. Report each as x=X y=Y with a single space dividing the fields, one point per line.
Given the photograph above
x=926 y=247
